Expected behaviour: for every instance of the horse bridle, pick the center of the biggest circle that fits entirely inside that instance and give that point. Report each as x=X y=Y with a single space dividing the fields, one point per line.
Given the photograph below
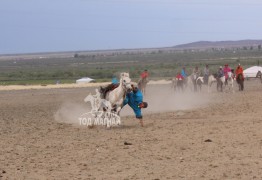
x=125 y=84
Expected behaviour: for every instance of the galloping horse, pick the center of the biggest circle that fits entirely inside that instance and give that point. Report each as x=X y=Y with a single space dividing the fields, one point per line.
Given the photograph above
x=178 y=84
x=142 y=85
x=240 y=82
x=199 y=82
x=230 y=81
x=211 y=79
x=220 y=82
x=117 y=96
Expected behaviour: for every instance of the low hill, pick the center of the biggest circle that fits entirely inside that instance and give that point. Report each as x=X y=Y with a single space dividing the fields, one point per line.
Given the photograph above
x=218 y=44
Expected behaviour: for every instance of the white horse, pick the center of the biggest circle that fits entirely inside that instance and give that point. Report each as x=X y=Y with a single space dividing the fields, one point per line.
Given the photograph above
x=230 y=82
x=191 y=82
x=221 y=83
x=211 y=80
x=199 y=82
x=117 y=96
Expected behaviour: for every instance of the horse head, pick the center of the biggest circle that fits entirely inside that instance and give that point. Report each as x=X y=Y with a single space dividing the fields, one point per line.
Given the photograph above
x=125 y=81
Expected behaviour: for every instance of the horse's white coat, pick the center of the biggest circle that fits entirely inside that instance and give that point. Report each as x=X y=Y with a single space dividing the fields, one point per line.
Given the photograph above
x=230 y=81
x=116 y=97
x=211 y=80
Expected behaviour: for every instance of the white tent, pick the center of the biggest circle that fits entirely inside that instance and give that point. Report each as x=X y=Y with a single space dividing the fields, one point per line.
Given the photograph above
x=84 y=80
x=252 y=71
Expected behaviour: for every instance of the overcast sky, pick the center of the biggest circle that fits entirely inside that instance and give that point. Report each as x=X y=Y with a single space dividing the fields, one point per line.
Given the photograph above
x=70 y=25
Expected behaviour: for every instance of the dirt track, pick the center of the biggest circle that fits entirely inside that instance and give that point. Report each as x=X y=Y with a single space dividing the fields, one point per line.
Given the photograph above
x=170 y=146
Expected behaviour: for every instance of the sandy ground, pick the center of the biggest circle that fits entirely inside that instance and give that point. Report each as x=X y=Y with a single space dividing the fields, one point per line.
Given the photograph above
x=186 y=136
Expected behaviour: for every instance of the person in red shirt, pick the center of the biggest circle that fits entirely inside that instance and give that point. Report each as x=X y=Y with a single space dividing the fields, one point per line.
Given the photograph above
x=144 y=74
x=179 y=76
x=239 y=70
x=240 y=81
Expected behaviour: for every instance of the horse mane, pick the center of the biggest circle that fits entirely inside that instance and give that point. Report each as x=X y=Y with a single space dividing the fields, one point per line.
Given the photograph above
x=104 y=90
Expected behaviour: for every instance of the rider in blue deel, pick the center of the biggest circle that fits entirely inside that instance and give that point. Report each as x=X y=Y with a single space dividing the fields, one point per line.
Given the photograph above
x=135 y=100
x=114 y=80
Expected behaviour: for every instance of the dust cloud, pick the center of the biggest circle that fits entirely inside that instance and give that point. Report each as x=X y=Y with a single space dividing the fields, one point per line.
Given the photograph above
x=160 y=99
x=163 y=98
x=70 y=112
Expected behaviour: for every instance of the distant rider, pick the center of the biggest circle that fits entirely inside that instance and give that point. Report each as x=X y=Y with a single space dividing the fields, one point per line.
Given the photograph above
x=179 y=76
x=206 y=74
x=226 y=70
x=183 y=72
x=239 y=70
x=196 y=74
x=220 y=72
x=144 y=74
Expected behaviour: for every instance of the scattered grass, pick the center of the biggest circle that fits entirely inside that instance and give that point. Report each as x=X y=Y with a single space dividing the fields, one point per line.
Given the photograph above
x=160 y=65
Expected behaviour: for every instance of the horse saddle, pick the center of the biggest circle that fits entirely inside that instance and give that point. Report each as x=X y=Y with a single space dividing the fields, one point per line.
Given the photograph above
x=105 y=90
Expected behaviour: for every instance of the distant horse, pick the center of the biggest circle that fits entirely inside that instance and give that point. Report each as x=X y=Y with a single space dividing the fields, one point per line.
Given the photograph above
x=178 y=84
x=199 y=82
x=230 y=81
x=240 y=82
x=142 y=85
x=189 y=83
x=211 y=79
x=220 y=82
x=194 y=78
